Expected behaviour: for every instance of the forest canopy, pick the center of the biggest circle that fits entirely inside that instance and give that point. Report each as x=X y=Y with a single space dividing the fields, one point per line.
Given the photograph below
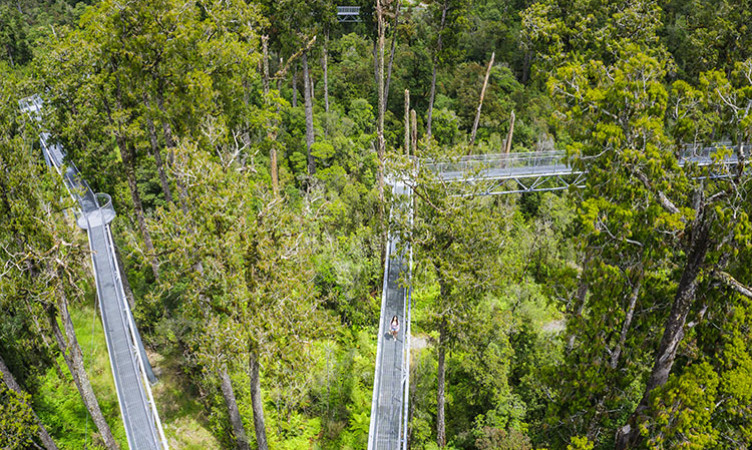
x=267 y=159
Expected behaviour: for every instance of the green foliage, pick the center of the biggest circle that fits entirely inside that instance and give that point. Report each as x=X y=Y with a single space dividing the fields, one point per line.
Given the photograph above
x=17 y=423
x=580 y=443
x=683 y=409
x=14 y=47
x=528 y=296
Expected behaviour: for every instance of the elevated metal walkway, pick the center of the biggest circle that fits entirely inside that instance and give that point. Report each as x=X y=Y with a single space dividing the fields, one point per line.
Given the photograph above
x=348 y=13
x=388 y=427
x=130 y=366
x=548 y=171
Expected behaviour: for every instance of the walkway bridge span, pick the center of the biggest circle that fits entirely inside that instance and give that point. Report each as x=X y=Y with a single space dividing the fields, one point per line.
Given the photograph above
x=130 y=366
x=512 y=173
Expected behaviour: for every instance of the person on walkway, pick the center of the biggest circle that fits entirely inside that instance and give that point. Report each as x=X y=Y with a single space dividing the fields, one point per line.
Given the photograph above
x=394 y=327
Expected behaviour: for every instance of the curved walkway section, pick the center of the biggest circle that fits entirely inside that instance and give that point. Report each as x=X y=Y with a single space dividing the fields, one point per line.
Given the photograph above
x=130 y=367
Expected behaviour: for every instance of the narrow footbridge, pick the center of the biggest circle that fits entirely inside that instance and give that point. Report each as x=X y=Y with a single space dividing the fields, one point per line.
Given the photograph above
x=130 y=366
x=513 y=173
x=388 y=428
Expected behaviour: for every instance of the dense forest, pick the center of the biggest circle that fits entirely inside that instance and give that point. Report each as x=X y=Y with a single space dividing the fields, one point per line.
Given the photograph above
x=249 y=147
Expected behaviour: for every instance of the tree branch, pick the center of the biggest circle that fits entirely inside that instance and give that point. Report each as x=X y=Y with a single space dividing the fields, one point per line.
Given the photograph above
x=667 y=204
x=283 y=71
x=731 y=282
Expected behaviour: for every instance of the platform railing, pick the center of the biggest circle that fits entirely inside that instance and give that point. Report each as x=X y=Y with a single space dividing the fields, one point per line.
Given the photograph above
x=348 y=10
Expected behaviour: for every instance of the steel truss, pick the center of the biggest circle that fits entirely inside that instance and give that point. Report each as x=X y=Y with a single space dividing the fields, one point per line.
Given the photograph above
x=523 y=184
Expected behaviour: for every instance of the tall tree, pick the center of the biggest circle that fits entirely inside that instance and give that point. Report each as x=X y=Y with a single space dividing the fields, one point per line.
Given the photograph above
x=457 y=238
x=452 y=21
x=255 y=277
x=678 y=219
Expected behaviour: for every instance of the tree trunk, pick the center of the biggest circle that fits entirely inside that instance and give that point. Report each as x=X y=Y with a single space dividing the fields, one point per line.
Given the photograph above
x=629 y=435
x=126 y=285
x=480 y=102
x=508 y=143
x=391 y=55
x=440 y=400
x=381 y=150
x=128 y=156
x=376 y=63
x=271 y=135
x=582 y=290
x=435 y=66
x=380 y=82
x=312 y=87
x=74 y=360
x=414 y=131
x=294 y=85
x=527 y=60
x=238 y=430
x=325 y=65
x=10 y=381
x=257 y=402
x=407 y=122
x=265 y=62
x=616 y=354
x=308 y=115
x=157 y=154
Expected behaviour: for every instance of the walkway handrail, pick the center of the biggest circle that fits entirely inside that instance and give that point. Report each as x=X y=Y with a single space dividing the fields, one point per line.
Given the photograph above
x=348 y=10
x=555 y=163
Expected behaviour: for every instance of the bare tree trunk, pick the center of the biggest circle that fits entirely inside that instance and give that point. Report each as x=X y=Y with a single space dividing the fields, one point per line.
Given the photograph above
x=440 y=399
x=407 y=122
x=629 y=435
x=275 y=163
x=128 y=156
x=435 y=66
x=257 y=402
x=634 y=295
x=508 y=143
x=391 y=54
x=414 y=132
x=580 y=296
x=10 y=381
x=170 y=144
x=73 y=357
x=157 y=154
x=376 y=63
x=308 y=115
x=381 y=150
x=126 y=285
x=238 y=430
x=270 y=134
x=295 y=85
x=480 y=103
x=325 y=65
x=265 y=62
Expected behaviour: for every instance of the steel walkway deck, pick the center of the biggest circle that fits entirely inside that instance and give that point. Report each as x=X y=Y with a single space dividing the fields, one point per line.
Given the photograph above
x=546 y=171
x=389 y=404
x=130 y=366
